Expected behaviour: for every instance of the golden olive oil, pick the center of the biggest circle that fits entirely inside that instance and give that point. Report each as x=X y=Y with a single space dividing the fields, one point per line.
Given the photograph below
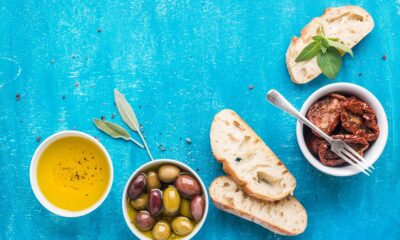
x=73 y=173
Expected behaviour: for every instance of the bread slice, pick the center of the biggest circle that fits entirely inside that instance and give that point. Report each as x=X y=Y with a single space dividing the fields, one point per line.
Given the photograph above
x=246 y=158
x=286 y=217
x=348 y=23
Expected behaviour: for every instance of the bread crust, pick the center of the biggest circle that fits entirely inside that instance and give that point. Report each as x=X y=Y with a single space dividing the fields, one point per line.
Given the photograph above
x=303 y=72
x=231 y=171
x=237 y=212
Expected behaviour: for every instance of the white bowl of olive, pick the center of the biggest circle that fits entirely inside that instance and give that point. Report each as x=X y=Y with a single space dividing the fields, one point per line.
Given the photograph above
x=165 y=199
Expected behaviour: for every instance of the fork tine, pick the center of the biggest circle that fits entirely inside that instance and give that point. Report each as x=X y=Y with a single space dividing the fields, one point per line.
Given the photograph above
x=359 y=163
x=357 y=160
x=357 y=155
x=348 y=160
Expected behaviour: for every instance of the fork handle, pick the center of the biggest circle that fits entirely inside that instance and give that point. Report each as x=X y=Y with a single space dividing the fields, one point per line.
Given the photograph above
x=280 y=101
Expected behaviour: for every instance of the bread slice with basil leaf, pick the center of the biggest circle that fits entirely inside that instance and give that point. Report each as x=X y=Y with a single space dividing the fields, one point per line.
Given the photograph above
x=247 y=159
x=346 y=25
x=285 y=217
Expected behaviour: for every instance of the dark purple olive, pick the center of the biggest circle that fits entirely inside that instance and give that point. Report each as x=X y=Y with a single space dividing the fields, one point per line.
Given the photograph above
x=144 y=221
x=155 y=202
x=187 y=186
x=197 y=206
x=137 y=186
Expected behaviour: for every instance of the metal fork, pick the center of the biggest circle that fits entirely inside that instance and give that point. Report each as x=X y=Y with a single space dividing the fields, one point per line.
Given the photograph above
x=338 y=146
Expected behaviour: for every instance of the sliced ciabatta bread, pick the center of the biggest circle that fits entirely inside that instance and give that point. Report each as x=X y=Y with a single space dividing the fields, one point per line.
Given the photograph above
x=286 y=216
x=350 y=24
x=247 y=159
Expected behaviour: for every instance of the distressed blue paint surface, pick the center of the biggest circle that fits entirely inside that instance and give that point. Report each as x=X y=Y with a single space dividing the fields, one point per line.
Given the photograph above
x=179 y=63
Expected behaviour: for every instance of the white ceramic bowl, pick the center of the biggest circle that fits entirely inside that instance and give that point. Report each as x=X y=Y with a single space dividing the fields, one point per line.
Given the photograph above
x=34 y=181
x=146 y=167
x=373 y=152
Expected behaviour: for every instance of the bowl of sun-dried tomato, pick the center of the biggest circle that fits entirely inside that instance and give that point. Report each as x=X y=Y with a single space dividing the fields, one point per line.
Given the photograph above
x=344 y=111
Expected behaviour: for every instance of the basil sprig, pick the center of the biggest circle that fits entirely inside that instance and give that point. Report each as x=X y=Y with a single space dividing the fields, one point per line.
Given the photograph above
x=329 y=52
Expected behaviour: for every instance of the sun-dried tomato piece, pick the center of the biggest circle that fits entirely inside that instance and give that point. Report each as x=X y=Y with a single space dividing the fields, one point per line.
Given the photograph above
x=347 y=118
x=325 y=113
x=359 y=118
x=350 y=121
x=338 y=96
x=313 y=144
x=329 y=158
x=356 y=142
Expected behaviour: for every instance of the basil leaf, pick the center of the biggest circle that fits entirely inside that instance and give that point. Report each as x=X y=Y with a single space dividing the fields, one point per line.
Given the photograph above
x=112 y=129
x=323 y=48
x=330 y=62
x=340 y=46
x=317 y=38
x=325 y=43
x=334 y=39
x=310 y=51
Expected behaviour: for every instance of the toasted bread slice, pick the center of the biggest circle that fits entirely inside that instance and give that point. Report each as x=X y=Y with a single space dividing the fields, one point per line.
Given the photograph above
x=348 y=23
x=286 y=217
x=246 y=158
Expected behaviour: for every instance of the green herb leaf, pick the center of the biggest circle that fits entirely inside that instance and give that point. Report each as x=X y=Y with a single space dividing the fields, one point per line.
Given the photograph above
x=324 y=42
x=112 y=129
x=330 y=62
x=129 y=117
x=310 y=51
x=329 y=53
x=334 y=39
x=126 y=111
x=317 y=38
x=340 y=46
x=321 y=29
x=323 y=48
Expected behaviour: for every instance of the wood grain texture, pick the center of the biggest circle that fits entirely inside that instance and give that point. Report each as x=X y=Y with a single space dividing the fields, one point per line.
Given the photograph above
x=179 y=63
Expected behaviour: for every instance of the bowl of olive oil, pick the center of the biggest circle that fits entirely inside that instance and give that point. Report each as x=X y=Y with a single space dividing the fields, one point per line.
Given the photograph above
x=71 y=173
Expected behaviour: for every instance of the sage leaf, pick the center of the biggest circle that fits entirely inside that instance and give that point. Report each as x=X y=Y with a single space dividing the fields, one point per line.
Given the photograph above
x=112 y=129
x=330 y=62
x=129 y=117
x=310 y=51
x=340 y=46
x=126 y=111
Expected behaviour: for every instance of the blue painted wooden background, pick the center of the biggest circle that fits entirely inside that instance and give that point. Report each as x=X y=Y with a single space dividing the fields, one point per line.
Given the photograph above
x=179 y=63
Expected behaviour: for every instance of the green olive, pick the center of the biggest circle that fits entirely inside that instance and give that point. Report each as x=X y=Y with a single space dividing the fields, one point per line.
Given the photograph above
x=184 y=209
x=161 y=230
x=168 y=173
x=152 y=180
x=182 y=226
x=171 y=200
x=140 y=203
